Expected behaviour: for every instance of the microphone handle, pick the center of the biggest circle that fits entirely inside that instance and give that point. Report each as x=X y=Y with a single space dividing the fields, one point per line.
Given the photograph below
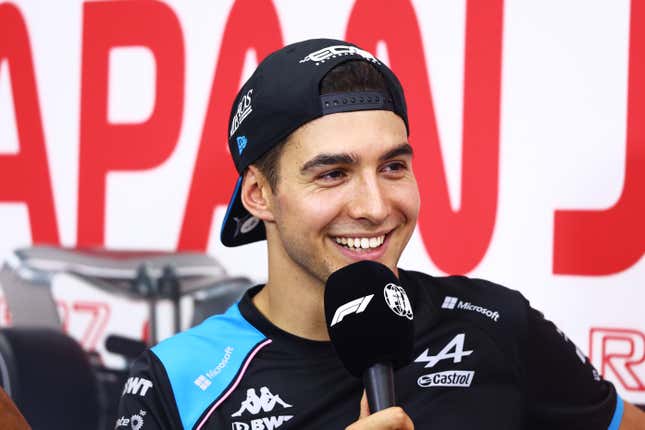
x=378 y=380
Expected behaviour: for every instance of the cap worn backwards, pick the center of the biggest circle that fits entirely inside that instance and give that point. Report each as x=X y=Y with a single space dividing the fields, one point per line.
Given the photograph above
x=283 y=94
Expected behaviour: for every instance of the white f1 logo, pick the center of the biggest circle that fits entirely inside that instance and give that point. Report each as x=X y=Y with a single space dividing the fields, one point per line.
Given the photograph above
x=354 y=307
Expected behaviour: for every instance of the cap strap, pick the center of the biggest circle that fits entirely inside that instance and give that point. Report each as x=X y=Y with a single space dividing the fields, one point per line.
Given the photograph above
x=353 y=101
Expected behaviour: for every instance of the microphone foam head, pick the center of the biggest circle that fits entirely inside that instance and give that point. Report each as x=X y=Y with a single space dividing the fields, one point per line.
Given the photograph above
x=369 y=317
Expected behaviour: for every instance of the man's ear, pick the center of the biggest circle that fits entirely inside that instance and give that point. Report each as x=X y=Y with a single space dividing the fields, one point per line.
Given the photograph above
x=256 y=194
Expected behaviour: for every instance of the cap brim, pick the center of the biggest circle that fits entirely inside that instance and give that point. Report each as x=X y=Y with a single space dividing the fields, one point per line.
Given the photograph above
x=239 y=226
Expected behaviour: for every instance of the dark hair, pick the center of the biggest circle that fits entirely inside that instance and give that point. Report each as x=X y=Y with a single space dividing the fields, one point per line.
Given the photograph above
x=353 y=75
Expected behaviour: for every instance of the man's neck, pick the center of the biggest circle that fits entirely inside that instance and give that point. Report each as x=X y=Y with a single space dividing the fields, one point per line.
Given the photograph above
x=294 y=302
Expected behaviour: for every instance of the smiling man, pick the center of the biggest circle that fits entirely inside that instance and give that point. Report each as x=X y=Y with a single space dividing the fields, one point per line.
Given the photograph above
x=319 y=136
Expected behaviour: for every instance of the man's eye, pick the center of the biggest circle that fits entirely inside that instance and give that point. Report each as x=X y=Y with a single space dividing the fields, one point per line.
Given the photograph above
x=395 y=166
x=332 y=175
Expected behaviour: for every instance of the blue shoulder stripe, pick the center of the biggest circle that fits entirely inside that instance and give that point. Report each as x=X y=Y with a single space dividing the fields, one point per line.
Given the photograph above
x=618 y=414
x=204 y=360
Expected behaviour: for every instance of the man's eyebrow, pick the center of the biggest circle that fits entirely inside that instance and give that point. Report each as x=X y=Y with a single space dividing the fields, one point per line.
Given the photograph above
x=402 y=149
x=327 y=160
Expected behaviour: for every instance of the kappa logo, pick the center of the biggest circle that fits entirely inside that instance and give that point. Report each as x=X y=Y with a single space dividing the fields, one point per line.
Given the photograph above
x=453 y=350
x=334 y=51
x=244 y=108
x=354 y=307
x=266 y=401
x=454 y=302
x=135 y=385
x=254 y=405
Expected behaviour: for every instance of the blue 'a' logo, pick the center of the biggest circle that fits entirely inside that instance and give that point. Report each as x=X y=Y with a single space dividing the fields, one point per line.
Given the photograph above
x=241 y=144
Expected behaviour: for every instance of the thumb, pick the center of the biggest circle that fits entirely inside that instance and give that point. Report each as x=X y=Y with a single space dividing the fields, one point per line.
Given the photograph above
x=365 y=409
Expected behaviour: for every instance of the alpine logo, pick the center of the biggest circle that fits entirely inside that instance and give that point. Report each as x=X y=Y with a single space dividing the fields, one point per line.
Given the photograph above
x=203 y=381
x=453 y=350
x=398 y=301
x=454 y=302
x=354 y=307
x=244 y=108
x=135 y=385
x=334 y=51
x=450 y=378
x=254 y=405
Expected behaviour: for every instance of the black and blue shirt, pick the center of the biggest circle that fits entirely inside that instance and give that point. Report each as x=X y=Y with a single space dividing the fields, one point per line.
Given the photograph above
x=483 y=359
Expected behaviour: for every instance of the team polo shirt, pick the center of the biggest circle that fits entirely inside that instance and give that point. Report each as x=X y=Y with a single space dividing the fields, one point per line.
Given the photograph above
x=483 y=359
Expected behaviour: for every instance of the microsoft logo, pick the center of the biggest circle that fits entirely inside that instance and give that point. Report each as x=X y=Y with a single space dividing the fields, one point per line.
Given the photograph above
x=449 y=302
x=202 y=382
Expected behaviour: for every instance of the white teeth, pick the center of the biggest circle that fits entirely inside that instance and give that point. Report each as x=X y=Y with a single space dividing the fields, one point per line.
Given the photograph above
x=361 y=243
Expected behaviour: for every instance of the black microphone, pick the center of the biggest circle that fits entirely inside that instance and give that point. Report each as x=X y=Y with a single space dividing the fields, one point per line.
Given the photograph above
x=129 y=348
x=370 y=323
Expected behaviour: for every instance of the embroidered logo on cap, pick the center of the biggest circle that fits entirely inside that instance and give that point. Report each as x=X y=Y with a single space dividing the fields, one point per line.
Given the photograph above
x=244 y=108
x=241 y=144
x=334 y=51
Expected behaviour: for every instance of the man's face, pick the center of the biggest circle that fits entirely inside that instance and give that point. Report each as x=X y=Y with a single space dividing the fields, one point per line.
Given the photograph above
x=346 y=192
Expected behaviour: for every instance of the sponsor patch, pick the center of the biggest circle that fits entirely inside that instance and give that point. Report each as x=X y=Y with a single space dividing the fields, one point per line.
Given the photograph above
x=136 y=386
x=456 y=303
x=449 y=378
x=255 y=404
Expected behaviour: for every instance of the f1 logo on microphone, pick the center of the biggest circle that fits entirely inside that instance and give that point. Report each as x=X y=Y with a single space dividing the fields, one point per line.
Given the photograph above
x=354 y=307
x=619 y=354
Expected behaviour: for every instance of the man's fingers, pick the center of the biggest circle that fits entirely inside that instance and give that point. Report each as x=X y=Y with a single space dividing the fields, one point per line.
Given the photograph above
x=365 y=408
x=393 y=418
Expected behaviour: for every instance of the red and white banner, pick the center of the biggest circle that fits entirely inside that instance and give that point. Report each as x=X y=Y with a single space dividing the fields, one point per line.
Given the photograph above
x=527 y=120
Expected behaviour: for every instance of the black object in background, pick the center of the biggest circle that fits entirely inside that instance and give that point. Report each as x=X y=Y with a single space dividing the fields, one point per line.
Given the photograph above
x=128 y=348
x=370 y=323
x=49 y=377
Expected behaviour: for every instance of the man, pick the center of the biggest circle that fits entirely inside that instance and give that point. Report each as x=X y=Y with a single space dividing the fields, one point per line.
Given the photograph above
x=10 y=416
x=319 y=135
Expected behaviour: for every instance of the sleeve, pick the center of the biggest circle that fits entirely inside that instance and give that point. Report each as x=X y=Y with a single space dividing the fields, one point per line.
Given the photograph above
x=563 y=389
x=147 y=402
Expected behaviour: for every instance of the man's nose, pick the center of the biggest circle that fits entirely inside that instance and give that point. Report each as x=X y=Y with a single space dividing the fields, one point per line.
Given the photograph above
x=369 y=201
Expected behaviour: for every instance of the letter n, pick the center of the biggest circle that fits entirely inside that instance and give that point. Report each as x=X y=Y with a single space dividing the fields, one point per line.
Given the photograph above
x=456 y=240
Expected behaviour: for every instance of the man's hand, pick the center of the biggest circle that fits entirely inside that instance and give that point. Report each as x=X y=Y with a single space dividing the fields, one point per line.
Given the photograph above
x=393 y=418
x=633 y=418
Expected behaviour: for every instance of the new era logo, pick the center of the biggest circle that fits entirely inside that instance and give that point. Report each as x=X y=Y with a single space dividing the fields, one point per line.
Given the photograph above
x=449 y=302
x=202 y=382
x=241 y=143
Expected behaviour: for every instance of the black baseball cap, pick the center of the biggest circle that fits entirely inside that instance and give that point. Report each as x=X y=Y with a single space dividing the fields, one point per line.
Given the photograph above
x=283 y=94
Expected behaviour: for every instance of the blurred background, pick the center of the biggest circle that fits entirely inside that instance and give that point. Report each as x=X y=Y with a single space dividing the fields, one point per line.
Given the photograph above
x=526 y=120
